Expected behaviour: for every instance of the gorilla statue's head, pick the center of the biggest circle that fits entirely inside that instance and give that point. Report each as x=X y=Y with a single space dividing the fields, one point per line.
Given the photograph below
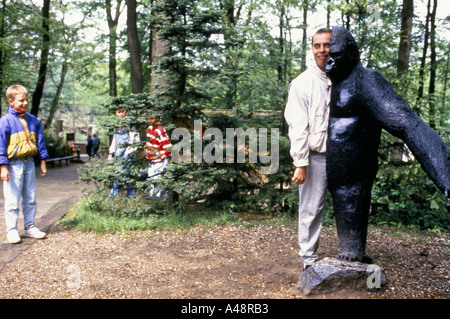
x=344 y=55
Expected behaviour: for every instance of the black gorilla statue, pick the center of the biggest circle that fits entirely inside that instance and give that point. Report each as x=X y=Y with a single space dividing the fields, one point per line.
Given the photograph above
x=362 y=103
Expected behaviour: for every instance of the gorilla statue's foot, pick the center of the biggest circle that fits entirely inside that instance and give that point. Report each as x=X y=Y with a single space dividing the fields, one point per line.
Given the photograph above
x=366 y=259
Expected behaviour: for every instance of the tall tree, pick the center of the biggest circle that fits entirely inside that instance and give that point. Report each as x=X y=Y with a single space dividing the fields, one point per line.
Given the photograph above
x=134 y=47
x=232 y=13
x=444 y=91
x=282 y=11
x=54 y=106
x=39 y=90
x=328 y=13
x=159 y=47
x=2 y=52
x=281 y=43
x=423 y=59
x=404 y=48
x=282 y=8
x=305 y=7
x=433 y=63
x=348 y=15
x=113 y=21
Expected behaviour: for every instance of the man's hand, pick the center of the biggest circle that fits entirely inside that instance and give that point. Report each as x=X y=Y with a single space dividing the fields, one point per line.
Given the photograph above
x=299 y=175
x=4 y=173
x=43 y=168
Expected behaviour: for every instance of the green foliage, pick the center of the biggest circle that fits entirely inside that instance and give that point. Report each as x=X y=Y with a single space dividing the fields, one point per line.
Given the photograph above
x=223 y=55
x=404 y=195
x=278 y=194
x=223 y=186
x=55 y=145
x=241 y=73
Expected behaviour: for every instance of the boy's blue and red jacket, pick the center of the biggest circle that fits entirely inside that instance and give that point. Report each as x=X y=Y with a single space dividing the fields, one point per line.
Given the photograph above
x=21 y=136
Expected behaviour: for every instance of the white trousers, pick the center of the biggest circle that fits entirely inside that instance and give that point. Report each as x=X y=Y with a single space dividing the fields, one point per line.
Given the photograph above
x=312 y=196
x=22 y=184
x=156 y=171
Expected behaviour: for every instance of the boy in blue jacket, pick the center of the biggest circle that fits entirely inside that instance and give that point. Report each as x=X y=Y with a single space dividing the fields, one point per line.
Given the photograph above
x=21 y=138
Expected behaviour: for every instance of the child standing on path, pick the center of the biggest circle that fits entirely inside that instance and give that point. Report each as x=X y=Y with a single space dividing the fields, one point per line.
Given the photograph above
x=121 y=146
x=157 y=152
x=21 y=138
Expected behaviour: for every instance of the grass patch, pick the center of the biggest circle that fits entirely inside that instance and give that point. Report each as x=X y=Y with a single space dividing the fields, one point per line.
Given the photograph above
x=138 y=215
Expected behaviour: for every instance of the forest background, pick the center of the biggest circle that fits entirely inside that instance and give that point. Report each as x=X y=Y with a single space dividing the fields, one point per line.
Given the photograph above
x=229 y=63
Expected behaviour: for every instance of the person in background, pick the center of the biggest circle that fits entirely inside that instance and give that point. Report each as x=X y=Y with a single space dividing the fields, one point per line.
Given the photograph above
x=89 y=145
x=95 y=146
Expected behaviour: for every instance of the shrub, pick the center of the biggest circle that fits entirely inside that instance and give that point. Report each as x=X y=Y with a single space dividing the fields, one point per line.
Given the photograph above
x=404 y=195
x=55 y=145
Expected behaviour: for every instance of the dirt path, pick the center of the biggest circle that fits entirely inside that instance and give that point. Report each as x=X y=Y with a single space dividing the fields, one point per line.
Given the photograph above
x=224 y=262
x=202 y=263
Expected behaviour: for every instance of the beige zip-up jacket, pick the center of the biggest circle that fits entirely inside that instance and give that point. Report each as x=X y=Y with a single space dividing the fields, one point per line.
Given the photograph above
x=307 y=114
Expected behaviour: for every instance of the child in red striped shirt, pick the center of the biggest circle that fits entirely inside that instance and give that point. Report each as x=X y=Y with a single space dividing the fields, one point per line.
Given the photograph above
x=157 y=153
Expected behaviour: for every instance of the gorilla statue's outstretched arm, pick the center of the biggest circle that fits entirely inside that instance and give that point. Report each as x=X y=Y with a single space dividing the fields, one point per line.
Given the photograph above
x=396 y=117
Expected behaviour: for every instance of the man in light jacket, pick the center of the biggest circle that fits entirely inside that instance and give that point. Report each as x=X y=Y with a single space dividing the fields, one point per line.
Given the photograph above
x=307 y=113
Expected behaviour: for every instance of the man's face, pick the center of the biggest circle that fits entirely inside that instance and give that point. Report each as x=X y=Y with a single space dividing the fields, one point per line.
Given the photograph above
x=321 y=48
x=20 y=103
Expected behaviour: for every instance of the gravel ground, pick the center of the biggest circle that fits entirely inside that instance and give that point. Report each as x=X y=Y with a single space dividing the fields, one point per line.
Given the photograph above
x=224 y=262
x=202 y=263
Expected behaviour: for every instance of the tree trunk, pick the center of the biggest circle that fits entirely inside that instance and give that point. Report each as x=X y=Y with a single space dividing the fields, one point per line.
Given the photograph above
x=433 y=63
x=39 y=90
x=304 y=37
x=443 y=108
x=404 y=48
x=112 y=67
x=281 y=66
x=348 y=17
x=64 y=69
x=232 y=17
x=112 y=26
x=328 y=13
x=159 y=47
x=135 y=48
x=2 y=53
x=423 y=60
